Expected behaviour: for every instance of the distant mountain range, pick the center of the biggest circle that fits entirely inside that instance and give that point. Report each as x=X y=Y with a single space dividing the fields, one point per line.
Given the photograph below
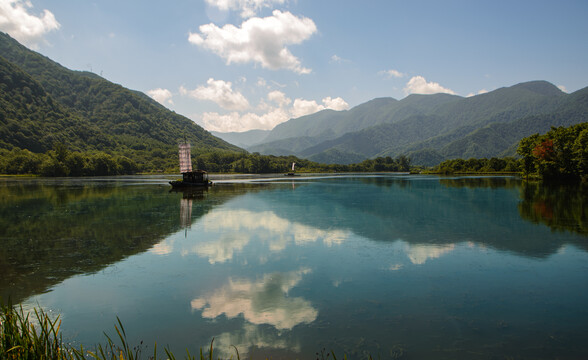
x=44 y=103
x=429 y=128
x=243 y=139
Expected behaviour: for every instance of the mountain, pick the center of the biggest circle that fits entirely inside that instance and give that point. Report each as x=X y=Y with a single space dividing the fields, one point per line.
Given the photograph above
x=430 y=128
x=44 y=103
x=242 y=139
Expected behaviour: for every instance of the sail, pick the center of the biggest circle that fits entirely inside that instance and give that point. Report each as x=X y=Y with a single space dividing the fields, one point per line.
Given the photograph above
x=185 y=159
x=293 y=164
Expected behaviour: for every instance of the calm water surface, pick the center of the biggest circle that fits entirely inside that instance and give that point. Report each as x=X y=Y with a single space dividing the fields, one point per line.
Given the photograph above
x=400 y=267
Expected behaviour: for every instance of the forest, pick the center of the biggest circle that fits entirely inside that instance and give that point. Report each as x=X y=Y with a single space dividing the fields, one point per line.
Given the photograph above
x=560 y=154
x=60 y=161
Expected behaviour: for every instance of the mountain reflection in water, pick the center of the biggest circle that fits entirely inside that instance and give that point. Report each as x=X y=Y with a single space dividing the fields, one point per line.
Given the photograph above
x=413 y=266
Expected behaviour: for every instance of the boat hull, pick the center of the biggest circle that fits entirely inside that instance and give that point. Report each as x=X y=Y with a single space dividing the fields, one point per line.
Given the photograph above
x=177 y=184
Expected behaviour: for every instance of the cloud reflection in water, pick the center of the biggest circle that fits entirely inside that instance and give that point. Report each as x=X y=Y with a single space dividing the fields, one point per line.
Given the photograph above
x=237 y=227
x=264 y=301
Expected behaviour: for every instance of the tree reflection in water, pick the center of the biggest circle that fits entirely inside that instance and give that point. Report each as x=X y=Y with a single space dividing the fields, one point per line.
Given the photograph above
x=561 y=207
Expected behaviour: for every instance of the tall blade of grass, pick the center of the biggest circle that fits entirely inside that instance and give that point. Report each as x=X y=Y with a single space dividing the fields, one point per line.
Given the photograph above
x=212 y=342
x=237 y=351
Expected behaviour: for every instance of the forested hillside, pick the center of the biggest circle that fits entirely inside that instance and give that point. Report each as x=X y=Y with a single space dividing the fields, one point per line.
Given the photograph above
x=44 y=104
x=431 y=128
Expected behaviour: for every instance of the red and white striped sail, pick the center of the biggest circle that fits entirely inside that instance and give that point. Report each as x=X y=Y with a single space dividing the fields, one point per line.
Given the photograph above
x=185 y=159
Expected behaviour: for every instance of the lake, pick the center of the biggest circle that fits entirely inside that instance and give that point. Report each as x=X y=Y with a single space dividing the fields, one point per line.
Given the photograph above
x=396 y=266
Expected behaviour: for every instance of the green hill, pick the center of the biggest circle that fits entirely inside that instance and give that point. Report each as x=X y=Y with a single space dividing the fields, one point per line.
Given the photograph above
x=431 y=128
x=44 y=103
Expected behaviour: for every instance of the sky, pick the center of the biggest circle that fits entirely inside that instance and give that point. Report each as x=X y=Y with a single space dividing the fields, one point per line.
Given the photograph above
x=238 y=65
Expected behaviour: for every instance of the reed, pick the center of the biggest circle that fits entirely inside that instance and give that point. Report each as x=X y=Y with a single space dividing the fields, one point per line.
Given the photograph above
x=34 y=335
x=24 y=336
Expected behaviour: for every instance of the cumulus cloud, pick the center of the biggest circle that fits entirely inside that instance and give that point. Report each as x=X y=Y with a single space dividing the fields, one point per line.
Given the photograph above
x=262 y=41
x=278 y=109
x=29 y=29
x=392 y=73
x=160 y=95
x=303 y=107
x=562 y=88
x=248 y=8
x=279 y=98
x=483 y=91
x=220 y=92
x=234 y=121
x=419 y=85
x=335 y=104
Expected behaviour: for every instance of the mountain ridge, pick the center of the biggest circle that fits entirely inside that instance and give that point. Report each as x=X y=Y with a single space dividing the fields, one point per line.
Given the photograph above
x=440 y=125
x=123 y=120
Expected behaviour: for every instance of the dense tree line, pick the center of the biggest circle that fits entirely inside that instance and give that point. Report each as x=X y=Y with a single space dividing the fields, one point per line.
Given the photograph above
x=560 y=154
x=60 y=161
x=484 y=165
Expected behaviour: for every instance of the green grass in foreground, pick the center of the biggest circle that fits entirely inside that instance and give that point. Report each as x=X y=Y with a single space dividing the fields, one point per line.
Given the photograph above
x=23 y=336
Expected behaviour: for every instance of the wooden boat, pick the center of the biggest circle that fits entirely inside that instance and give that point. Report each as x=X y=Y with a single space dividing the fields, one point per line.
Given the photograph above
x=291 y=173
x=191 y=179
x=196 y=178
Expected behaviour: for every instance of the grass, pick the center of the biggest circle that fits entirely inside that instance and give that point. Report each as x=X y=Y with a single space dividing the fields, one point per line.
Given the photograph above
x=35 y=335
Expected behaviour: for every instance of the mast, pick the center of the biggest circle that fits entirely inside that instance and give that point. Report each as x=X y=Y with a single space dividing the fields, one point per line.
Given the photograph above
x=185 y=159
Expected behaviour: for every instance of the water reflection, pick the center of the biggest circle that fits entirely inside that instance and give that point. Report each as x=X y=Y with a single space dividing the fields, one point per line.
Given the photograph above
x=418 y=266
x=264 y=301
x=226 y=232
x=52 y=231
x=252 y=337
x=561 y=207
x=419 y=254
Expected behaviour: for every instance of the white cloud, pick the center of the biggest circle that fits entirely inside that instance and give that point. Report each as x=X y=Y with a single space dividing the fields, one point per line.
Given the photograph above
x=259 y=40
x=234 y=121
x=24 y=27
x=248 y=8
x=392 y=73
x=337 y=59
x=419 y=85
x=303 y=107
x=335 y=104
x=278 y=109
x=220 y=92
x=279 y=98
x=161 y=95
x=562 y=88
x=480 y=92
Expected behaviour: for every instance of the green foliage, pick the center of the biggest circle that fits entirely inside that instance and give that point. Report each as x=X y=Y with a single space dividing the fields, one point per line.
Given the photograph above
x=26 y=338
x=43 y=104
x=62 y=162
x=560 y=154
x=484 y=165
x=430 y=128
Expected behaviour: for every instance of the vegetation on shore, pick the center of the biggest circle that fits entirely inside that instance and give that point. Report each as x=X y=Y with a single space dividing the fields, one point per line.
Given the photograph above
x=560 y=154
x=60 y=161
x=27 y=337
x=507 y=165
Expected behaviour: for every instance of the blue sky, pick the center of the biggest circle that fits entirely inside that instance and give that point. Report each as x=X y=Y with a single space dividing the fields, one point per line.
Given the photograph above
x=235 y=65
